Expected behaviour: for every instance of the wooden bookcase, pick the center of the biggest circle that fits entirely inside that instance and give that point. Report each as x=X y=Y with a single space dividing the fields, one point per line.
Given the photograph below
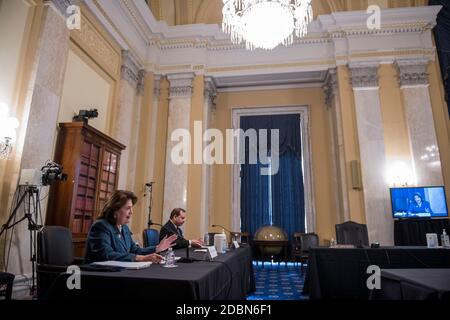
x=91 y=161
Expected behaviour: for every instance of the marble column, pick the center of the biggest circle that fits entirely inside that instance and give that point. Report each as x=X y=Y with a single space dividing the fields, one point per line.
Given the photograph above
x=126 y=121
x=372 y=152
x=40 y=116
x=413 y=80
x=148 y=145
x=207 y=170
x=333 y=105
x=154 y=125
x=176 y=175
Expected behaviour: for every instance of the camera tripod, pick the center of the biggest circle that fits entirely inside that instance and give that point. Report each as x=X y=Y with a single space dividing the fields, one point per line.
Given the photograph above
x=31 y=207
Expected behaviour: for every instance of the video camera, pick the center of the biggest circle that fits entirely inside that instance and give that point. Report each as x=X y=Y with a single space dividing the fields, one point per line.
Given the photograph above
x=50 y=172
x=85 y=115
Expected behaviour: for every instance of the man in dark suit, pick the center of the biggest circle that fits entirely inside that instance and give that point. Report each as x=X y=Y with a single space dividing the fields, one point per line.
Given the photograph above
x=177 y=219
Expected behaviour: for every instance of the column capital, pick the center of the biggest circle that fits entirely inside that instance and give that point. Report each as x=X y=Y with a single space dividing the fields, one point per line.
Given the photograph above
x=62 y=5
x=181 y=85
x=210 y=89
x=412 y=72
x=156 y=85
x=130 y=69
x=140 y=87
x=364 y=75
x=331 y=86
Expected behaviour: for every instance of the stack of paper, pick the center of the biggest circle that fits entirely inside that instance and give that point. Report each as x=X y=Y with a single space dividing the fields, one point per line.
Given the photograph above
x=126 y=265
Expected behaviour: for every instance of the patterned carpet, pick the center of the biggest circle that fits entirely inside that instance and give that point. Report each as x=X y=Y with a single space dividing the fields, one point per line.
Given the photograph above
x=275 y=282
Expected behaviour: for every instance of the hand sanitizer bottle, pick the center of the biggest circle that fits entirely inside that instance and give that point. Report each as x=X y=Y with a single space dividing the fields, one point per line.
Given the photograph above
x=445 y=242
x=225 y=241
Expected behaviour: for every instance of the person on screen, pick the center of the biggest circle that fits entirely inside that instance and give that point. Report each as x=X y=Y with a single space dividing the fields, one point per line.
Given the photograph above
x=419 y=207
x=172 y=227
x=110 y=238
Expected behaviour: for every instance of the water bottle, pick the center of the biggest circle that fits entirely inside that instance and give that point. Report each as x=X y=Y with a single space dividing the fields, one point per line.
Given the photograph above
x=170 y=259
x=220 y=242
x=445 y=242
x=225 y=245
x=206 y=239
x=332 y=242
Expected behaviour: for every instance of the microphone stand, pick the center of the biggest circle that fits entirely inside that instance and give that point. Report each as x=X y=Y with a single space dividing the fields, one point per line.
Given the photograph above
x=149 y=187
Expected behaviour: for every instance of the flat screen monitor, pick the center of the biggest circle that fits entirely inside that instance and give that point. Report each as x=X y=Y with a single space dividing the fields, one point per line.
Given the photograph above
x=419 y=202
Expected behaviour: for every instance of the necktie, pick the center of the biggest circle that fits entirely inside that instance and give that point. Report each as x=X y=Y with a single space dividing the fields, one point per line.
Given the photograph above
x=180 y=233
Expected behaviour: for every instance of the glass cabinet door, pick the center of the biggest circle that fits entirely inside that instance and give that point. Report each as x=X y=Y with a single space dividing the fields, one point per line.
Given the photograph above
x=108 y=177
x=83 y=214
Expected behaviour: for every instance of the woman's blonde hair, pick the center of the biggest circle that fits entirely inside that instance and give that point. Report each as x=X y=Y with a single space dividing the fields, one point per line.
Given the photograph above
x=117 y=200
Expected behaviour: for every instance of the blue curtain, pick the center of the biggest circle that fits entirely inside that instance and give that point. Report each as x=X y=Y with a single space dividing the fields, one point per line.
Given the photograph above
x=288 y=201
x=254 y=198
x=287 y=197
x=442 y=37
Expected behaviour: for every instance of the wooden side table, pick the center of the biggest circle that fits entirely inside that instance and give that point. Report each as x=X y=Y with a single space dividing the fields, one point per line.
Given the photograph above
x=263 y=244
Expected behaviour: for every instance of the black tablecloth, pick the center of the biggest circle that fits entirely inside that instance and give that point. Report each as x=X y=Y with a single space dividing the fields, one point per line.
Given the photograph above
x=411 y=232
x=229 y=276
x=414 y=284
x=341 y=273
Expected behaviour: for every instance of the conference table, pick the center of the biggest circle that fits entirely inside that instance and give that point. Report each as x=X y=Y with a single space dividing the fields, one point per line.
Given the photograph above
x=228 y=277
x=341 y=273
x=413 y=284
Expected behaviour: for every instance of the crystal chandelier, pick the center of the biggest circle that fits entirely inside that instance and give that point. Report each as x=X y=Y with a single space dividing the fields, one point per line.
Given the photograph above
x=266 y=23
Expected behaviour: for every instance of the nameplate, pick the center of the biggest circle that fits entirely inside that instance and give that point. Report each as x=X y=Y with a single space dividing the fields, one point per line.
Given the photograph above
x=236 y=244
x=343 y=246
x=432 y=240
x=212 y=252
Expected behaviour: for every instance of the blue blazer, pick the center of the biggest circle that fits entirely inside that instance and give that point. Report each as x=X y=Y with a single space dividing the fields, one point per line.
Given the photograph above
x=104 y=242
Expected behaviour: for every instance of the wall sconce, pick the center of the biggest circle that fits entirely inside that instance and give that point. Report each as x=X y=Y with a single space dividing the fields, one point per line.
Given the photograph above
x=8 y=126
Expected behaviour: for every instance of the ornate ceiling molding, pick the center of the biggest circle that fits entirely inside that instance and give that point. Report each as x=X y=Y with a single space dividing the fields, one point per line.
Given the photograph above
x=341 y=37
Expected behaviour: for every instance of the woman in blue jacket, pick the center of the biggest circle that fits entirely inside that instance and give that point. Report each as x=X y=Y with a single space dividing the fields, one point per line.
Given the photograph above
x=110 y=238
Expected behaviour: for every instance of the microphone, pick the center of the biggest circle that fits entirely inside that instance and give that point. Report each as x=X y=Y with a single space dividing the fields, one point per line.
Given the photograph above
x=149 y=184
